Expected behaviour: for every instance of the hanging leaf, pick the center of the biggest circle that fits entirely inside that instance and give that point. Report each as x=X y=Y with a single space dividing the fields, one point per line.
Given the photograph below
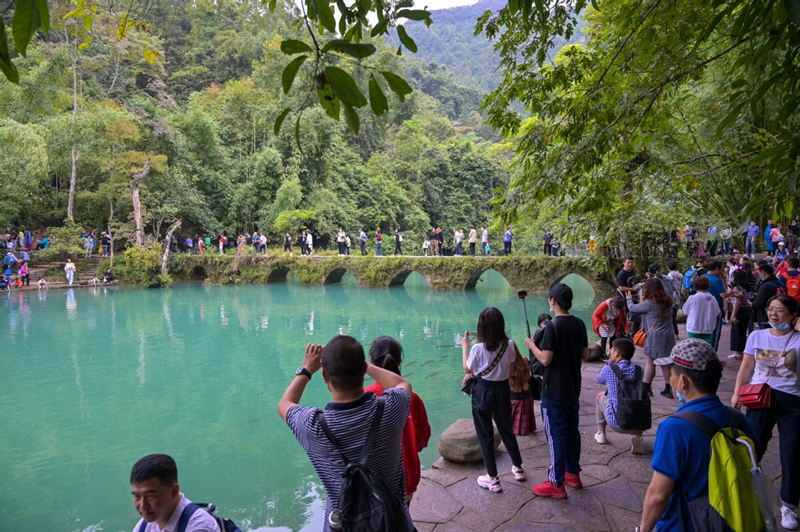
x=271 y=6
x=377 y=99
x=359 y=51
x=344 y=87
x=397 y=84
x=293 y=46
x=352 y=118
x=379 y=28
x=407 y=41
x=24 y=24
x=44 y=15
x=329 y=101
x=325 y=15
x=414 y=14
x=6 y=66
x=289 y=73
x=279 y=121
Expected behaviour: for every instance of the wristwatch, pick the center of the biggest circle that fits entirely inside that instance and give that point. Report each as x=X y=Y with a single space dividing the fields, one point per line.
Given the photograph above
x=303 y=371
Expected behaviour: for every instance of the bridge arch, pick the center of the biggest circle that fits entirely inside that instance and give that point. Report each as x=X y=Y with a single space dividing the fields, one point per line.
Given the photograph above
x=475 y=277
x=399 y=278
x=335 y=276
x=278 y=275
x=198 y=273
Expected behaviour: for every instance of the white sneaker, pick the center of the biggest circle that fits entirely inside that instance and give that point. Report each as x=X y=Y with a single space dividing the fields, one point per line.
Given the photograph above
x=600 y=437
x=519 y=473
x=735 y=356
x=490 y=483
x=789 y=518
x=637 y=447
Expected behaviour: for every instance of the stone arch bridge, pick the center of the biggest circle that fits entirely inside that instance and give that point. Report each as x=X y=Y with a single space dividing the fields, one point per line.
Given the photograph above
x=535 y=273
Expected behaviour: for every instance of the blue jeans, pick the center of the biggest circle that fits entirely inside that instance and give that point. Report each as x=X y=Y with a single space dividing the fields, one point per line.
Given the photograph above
x=561 y=427
x=378 y=248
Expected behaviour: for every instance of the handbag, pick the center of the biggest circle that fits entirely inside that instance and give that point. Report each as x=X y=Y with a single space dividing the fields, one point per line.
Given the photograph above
x=470 y=379
x=755 y=396
x=640 y=336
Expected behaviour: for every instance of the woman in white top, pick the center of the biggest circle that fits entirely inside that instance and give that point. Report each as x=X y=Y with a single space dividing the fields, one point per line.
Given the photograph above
x=771 y=357
x=491 y=360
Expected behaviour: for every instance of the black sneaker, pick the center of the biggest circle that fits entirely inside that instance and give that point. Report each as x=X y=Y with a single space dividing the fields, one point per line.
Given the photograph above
x=667 y=392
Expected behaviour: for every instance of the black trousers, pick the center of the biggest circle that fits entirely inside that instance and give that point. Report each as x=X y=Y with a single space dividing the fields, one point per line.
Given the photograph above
x=492 y=399
x=785 y=411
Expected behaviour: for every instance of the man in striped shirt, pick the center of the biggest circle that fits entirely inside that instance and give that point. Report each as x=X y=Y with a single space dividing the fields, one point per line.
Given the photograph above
x=349 y=417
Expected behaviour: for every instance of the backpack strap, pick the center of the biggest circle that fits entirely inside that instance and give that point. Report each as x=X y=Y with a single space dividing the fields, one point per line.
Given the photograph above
x=186 y=514
x=370 y=435
x=707 y=426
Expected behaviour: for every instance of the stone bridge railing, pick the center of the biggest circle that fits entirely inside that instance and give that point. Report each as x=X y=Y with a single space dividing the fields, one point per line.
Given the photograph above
x=535 y=273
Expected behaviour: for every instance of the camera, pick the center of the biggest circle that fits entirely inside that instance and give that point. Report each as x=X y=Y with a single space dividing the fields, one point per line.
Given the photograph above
x=522 y=294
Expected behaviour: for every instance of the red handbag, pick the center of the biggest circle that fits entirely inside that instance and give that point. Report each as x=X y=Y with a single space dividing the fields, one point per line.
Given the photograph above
x=755 y=396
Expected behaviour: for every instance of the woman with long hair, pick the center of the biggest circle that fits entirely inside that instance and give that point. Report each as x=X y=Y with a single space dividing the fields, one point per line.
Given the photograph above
x=655 y=309
x=387 y=353
x=491 y=359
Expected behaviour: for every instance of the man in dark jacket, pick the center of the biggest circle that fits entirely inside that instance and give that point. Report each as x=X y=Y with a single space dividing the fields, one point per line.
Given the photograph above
x=769 y=287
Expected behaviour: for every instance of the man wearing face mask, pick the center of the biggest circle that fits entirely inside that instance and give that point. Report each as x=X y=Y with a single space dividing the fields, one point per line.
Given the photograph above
x=682 y=451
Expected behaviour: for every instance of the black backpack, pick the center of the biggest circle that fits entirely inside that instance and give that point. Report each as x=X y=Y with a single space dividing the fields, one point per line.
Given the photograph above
x=225 y=525
x=633 y=401
x=365 y=502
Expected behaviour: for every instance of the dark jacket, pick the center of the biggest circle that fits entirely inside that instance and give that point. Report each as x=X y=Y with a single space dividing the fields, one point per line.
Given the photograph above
x=768 y=288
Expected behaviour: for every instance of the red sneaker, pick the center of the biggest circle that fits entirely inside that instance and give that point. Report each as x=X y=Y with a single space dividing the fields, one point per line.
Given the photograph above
x=573 y=481
x=547 y=489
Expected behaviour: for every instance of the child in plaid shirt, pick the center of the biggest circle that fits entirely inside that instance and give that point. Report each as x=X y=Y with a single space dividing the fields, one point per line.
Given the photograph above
x=622 y=350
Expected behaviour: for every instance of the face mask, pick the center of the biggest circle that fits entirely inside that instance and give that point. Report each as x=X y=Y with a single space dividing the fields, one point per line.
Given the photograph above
x=681 y=397
x=781 y=327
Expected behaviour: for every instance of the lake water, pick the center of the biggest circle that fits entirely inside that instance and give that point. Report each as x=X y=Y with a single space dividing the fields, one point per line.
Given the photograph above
x=94 y=379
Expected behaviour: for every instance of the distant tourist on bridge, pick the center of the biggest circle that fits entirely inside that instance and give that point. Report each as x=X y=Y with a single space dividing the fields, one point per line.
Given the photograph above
x=398 y=242
x=507 y=238
x=472 y=239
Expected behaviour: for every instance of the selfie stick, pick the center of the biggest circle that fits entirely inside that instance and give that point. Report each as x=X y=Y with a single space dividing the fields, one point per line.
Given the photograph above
x=522 y=295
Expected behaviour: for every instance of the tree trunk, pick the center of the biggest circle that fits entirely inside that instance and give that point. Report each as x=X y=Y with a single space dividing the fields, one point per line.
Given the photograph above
x=137 y=205
x=76 y=154
x=242 y=242
x=110 y=234
x=172 y=229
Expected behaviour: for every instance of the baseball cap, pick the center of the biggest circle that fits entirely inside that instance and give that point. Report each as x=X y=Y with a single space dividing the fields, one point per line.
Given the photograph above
x=562 y=294
x=691 y=353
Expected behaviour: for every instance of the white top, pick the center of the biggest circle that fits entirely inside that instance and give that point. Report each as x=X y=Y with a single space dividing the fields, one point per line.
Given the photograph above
x=485 y=235
x=200 y=521
x=776 y=360
x=480 y=359
x=702 y=312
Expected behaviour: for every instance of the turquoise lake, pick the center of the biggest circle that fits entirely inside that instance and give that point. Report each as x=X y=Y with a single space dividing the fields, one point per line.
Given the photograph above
x=93 y=379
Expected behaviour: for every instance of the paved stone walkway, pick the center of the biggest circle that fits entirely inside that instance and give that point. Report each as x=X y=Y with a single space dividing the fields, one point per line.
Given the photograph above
x=448 y=498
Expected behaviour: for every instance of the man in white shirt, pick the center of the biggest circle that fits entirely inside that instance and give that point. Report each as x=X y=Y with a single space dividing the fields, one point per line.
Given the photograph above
x=158 y=499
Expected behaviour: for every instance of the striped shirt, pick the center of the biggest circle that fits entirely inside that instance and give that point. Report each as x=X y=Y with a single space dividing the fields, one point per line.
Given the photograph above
x=349 y=422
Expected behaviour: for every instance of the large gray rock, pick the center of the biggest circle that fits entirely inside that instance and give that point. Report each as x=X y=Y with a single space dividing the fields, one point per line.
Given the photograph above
x=459 y=443
x=595 y=353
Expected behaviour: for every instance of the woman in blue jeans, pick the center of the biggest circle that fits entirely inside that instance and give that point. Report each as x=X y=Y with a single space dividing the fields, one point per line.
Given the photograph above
x=491 y=361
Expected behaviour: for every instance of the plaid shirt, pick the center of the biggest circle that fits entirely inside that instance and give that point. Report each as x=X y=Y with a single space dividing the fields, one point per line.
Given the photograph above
x=607 y=377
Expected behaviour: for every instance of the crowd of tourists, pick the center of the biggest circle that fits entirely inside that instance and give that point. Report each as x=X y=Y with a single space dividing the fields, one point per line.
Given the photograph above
x=364 y=444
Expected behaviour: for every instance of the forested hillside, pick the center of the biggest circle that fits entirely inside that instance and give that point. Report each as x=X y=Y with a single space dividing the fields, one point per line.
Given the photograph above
x=92 y=121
